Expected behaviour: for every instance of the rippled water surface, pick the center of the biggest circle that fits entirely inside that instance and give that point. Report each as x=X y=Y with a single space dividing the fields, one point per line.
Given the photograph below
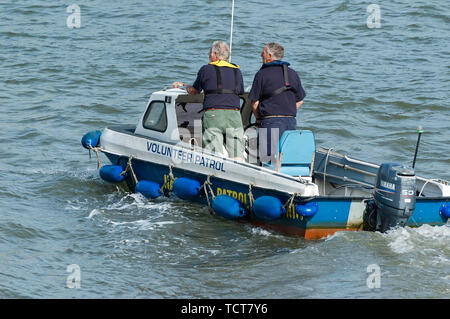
x=368 y=89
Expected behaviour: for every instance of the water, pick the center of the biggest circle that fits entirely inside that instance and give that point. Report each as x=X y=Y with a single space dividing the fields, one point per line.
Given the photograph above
x=367 y=91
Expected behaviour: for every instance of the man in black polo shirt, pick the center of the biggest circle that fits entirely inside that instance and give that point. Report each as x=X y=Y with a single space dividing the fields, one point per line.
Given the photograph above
x=222 y=82
x=276 y=95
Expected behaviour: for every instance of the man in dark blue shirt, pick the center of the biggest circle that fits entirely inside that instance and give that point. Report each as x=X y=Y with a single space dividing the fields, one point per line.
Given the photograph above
x=222 y=83
x=276 y=95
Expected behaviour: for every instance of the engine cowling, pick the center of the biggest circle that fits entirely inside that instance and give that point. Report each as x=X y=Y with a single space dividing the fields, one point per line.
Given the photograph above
x=394 y=196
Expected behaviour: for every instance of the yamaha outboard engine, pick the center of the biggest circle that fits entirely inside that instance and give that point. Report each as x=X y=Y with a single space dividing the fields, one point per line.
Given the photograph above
x=394 y=197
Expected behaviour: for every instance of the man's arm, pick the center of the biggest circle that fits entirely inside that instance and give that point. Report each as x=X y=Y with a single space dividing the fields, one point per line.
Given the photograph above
x=255 y=94
x=255 y=105
x=301 y=94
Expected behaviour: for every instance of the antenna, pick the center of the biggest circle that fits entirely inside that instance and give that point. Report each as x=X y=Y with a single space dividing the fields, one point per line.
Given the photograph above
x=231 y=31
x=419 y=131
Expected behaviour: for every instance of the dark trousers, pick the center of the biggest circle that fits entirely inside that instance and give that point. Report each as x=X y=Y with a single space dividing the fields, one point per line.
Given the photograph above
x=272 y=125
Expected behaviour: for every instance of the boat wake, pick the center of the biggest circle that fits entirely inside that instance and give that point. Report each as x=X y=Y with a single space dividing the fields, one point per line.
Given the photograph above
x=405 y=240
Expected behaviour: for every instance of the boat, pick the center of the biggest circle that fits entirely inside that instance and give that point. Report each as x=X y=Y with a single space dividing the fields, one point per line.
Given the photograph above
x=307 y=191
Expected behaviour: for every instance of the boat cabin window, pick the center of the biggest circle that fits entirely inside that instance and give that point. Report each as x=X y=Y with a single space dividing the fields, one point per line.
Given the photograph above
x=156 y=118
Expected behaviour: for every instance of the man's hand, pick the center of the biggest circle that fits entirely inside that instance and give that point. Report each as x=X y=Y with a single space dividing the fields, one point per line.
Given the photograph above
x=177 y=84
x=255 y=105
x=188 y=88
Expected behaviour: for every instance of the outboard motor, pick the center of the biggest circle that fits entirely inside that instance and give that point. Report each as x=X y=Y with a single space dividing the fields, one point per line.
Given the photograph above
x=394 y=196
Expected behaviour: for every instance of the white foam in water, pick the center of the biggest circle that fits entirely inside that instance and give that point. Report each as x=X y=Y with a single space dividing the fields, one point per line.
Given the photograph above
x=442 y=260
x=142 y=224
x=94 y=212
x=263 y=232
x=72 y=206
x=438 y=233
x=214 y=252
x=337 y=234
x=139 y=201
x=406 y=239
x=400 y=243
x=260 y=231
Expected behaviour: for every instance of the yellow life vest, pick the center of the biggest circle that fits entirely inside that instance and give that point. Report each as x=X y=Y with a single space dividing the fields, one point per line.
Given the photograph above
x=217 y=65
x=220 y=63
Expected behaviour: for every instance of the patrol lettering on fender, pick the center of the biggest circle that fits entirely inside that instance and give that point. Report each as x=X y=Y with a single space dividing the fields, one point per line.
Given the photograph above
x=241 y=197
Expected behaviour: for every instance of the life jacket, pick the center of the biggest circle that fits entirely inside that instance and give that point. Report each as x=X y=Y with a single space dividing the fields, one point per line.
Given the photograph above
x=220 y=90
x=286 y=87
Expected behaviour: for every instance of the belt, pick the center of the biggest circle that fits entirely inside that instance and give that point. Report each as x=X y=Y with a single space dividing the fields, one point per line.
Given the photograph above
x=212 y=108
x=272 y=116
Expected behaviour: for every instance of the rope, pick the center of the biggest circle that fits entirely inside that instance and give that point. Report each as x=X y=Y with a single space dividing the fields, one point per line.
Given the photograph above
x=251 y=198
x=208 y=184
x=168 y=181
x=425 y=184
x=210 y=188
x=95 y=150
x=130 y=169
x=207 y=199
x=290 y=200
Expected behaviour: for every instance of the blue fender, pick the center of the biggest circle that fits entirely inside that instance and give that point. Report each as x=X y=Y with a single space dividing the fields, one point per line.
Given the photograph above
x=111 y=173
x=227 y=207
x=91 y=139
x=186 y=188
x=445 y=210
x=148 y=188
x=307 y=210
x=268 y=208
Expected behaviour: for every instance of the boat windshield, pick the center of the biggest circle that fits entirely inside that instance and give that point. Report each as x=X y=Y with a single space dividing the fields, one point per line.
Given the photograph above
x=156 y=117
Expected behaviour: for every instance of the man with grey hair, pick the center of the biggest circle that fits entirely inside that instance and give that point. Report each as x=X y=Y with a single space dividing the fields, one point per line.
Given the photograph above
x=222 y=83
x=276 y=95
